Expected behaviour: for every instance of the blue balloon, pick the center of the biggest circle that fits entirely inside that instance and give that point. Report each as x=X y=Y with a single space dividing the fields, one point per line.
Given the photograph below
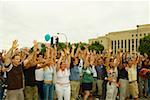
x=47 y=37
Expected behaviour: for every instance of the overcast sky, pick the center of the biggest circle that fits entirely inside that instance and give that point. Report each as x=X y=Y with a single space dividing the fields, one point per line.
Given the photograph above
x=79 y=20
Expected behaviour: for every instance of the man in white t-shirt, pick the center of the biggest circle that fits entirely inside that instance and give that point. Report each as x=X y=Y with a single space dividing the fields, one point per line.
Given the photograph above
x=39 y=77
x=132 y=75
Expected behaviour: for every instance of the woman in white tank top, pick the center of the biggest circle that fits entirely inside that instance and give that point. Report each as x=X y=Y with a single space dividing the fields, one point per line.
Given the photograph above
x=62 y=77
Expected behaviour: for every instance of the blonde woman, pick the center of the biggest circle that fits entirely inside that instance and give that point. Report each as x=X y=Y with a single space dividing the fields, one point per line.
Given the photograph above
x=49 y=69
x=62 y=76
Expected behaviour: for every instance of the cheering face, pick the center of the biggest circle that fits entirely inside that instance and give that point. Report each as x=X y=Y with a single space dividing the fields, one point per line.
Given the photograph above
x=100 y=61
x=16 y=60
x=40 y=57
x=63 y=66
x=130 y=63
x=112 y=62
x=76 y=61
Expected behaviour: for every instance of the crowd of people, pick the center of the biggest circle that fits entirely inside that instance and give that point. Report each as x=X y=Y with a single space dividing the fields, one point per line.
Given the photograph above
x=72 y=73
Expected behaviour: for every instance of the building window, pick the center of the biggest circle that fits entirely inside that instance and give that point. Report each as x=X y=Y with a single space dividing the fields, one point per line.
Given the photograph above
x=122 y=44
x=112 y=45
x=125 y=44
x=118 y=44
x=132 y=44
x=136 y=44
x=136 y=35
x=101 y=41
x=115 y=46
x=140 y=34
x=144 y=34
x=132 y=47
x=132 y=41
x=132 y=35
x=129 y=45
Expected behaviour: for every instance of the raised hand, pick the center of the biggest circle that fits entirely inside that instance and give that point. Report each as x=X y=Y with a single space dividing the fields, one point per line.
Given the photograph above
x=47 y=45
x=67 y=51
x=62 y=54
x=55 y=47
x=73 y=46
x=15 y=45
x=26 y=50
x=110 y=50
x=35 y=45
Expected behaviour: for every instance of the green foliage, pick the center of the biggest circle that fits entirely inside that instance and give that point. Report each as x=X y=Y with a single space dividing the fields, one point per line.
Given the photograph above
x=60 y=46
x=97 y=47
x=145 y=45
x=82 y=45
x=41 y=47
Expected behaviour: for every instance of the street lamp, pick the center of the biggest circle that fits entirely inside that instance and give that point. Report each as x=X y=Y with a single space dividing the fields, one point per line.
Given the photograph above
x=64 y=35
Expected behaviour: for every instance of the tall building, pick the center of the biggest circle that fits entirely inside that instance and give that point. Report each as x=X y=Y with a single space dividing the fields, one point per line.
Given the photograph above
x=127 y=40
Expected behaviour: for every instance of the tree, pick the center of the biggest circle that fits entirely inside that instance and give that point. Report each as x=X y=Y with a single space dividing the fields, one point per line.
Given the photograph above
x=61 y=45
x=82 y=45
x=145 y=45
x=41 y=47
x=97 y=47
x=94 y=46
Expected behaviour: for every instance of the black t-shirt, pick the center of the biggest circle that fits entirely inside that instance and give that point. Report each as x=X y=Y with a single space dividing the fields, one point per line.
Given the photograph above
x=15 y=78
x=122 y=74
x=29 y=75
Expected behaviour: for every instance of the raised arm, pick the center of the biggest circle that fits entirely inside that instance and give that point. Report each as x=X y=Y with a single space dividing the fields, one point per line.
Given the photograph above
x=31 y=59
x=108 y=55
x=136 y=59
x=67 y=57
x=72 y=50
x=9 y=54
x=60 y=60
x=86 y=60
x=118 y=60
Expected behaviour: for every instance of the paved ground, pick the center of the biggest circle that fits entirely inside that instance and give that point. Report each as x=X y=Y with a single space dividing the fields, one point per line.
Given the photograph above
x=144 y=98
x=129 y=99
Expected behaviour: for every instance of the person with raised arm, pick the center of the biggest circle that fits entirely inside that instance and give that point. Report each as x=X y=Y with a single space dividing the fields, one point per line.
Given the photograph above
x=93 y=64
x=101 y=74
x=30 y=64
x=87 y=75
x=132 y=75
x=74 y=75
x=62 y=75
x=39 y=75
x=123 y=75
x=49 y=68
x=112 y=73
x=13 y=68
